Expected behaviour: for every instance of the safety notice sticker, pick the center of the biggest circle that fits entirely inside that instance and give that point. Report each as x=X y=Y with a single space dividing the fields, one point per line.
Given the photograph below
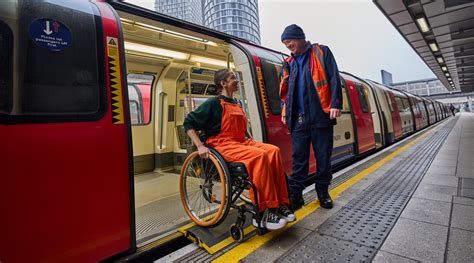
x=50 y=34
x=115 y=79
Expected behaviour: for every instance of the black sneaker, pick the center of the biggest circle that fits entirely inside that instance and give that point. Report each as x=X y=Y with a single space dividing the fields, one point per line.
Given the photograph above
x=271 y=221
x=285 y=213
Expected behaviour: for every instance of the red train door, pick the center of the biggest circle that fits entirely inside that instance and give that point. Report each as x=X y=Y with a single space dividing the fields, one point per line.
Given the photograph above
x=362 y=115
x=397 y=121
x=66 y=185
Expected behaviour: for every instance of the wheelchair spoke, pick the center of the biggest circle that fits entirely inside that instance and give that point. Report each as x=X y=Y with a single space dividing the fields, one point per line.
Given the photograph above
x=204 y=190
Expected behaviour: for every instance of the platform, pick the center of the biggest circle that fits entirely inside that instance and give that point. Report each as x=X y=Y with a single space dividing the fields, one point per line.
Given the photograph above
x=412 y=202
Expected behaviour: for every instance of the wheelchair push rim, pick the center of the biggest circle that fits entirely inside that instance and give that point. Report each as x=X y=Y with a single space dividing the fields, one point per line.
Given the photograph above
x=204 y=190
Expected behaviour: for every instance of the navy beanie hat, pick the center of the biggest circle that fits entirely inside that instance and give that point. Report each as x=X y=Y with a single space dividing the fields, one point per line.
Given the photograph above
x=292 y=32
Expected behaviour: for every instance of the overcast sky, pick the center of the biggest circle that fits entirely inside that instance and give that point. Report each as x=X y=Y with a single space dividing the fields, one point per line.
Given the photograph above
x=362 y=40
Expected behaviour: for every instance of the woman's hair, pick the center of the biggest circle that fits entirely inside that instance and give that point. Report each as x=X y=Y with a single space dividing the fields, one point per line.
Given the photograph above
x=221 y=75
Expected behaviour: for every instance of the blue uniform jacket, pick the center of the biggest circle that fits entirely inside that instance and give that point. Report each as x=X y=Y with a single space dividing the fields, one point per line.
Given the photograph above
x=313 y=110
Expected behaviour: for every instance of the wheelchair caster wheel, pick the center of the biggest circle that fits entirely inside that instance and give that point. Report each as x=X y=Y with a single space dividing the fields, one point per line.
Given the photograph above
x=237 y=233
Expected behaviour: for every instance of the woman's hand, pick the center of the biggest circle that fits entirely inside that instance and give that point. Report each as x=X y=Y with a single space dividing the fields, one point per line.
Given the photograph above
x=203 y=151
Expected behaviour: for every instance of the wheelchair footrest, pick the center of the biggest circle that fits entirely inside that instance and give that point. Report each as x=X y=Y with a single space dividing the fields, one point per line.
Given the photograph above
x=215 y=238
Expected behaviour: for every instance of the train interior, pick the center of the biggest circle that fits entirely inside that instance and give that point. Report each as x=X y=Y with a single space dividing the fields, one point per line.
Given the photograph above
x=170 y=73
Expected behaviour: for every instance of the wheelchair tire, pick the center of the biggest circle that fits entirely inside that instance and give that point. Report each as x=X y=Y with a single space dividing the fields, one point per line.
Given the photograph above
x=205 y=189
x=236 y=232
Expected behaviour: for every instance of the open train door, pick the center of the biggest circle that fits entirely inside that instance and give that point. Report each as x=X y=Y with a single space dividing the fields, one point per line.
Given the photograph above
x=65 y=161
x=263 y=67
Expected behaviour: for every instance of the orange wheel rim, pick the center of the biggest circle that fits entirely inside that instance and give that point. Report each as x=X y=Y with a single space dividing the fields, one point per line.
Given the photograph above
x=213 y=217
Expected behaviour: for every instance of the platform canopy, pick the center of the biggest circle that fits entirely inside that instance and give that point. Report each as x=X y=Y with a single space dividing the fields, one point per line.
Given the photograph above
x=441 y=32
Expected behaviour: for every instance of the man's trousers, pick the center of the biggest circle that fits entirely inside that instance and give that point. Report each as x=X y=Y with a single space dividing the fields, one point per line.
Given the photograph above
x=303 y=136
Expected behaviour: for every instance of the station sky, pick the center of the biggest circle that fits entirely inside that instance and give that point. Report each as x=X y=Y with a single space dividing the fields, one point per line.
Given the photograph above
x=362 y=40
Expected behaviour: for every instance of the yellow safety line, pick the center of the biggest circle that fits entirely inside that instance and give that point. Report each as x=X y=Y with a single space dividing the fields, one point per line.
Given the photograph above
x=224 y=243
x=244 y=249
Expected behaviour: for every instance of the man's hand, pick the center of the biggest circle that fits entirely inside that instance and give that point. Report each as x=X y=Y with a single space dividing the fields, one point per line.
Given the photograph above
x=283 y=113
x=203 y=151
x=334 y=113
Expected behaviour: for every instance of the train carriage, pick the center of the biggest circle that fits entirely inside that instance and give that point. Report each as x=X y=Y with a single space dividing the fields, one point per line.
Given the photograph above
x=423 y=110
x=404 y=109
x=431 y=111
x=416 y=111
x=390 y=118
x=361 y=109
x=441 y=110
x=437 y=110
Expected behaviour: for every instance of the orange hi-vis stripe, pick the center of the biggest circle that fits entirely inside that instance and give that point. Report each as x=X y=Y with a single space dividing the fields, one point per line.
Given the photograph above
x=318 y=74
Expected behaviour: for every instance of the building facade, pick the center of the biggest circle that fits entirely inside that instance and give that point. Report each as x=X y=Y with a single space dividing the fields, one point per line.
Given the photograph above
x=189 y=10
x=424 y=87
x=234 y=17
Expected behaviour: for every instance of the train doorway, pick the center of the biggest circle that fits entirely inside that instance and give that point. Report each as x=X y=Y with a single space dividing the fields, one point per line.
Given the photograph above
x=170 y=73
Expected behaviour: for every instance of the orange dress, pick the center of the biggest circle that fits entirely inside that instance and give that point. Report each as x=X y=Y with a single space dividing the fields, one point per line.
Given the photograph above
x=263 y=161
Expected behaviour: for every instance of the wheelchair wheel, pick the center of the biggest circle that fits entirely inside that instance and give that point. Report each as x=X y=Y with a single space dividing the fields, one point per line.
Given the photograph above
x=205 y=189
x=237 y=233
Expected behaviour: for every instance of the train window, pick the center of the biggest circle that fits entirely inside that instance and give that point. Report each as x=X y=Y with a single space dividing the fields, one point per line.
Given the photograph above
x=139 y=96
x=271 y=71
x=135 y=113
x=6 y=68
x=422 y=107
x=415 y=106
x=406 y=104
x=399 y=102
x=65 y=85
x=345 y=101
x=363 y=98
x=389 y=101
x=201 y=82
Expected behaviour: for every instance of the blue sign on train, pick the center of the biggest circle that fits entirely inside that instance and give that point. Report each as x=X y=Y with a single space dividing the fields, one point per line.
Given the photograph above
x=50 y=34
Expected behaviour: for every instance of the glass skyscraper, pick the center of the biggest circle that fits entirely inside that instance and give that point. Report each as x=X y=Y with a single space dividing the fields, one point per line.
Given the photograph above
x=234 y=17
x=189 y=10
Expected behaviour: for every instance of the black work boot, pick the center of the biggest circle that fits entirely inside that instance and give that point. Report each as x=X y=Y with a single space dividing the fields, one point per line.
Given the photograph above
x=296 y=200
x=324 y=198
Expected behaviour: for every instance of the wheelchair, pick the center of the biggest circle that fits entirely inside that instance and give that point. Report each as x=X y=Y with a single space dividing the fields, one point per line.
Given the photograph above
x=210 y=187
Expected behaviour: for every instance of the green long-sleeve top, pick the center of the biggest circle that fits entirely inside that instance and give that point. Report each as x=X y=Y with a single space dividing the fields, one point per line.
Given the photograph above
x=208 y=116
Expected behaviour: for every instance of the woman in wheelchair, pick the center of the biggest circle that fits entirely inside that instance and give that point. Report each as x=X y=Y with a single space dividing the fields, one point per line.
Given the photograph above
x=224 y=124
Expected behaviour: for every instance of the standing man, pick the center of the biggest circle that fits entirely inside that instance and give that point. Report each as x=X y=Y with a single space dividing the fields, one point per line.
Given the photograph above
x=451 y=108
x=311 y=96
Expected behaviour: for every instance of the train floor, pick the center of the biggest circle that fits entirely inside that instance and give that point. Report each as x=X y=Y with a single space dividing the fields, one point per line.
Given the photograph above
x=412 y=202
x=158 y=207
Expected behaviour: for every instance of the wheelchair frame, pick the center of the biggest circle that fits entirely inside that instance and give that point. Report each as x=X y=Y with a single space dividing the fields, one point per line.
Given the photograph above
x=237 y=178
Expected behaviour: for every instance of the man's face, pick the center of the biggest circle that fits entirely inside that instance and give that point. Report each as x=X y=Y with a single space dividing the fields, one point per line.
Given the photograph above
x=296 y=46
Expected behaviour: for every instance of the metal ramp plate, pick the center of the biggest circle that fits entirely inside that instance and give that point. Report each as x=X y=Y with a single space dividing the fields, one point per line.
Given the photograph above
x=216 y=238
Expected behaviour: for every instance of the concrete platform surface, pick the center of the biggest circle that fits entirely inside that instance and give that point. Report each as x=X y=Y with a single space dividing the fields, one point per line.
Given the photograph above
x=435 y=224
